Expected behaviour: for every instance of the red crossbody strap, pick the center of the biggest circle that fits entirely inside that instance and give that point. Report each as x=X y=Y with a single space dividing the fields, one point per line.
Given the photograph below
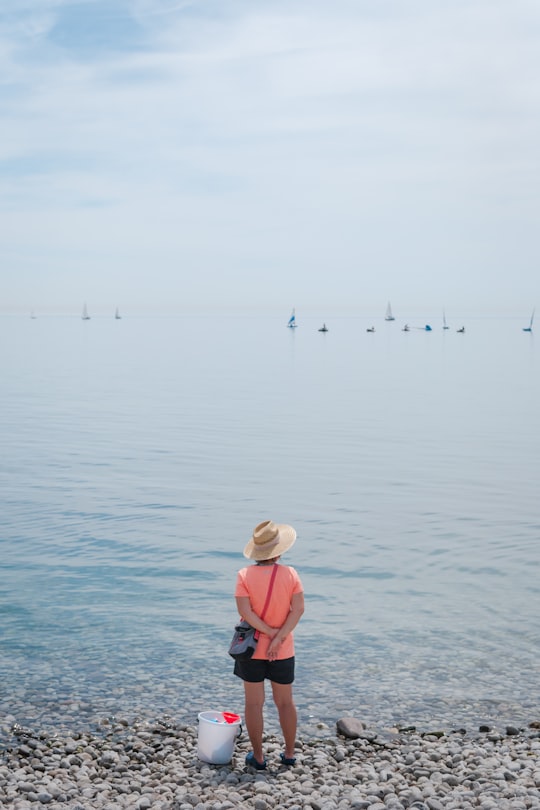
x=268 y=595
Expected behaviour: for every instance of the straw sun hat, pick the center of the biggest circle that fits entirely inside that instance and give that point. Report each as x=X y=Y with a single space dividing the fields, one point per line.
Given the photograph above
x=269 y=540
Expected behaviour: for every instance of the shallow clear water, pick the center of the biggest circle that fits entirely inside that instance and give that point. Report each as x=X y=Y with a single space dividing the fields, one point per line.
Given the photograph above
x=137 y=456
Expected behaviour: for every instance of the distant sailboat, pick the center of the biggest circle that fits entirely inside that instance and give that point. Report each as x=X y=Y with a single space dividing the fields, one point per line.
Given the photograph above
x=444 y=321
x=117 y=315
x=406 y=328
x=292 y=321
x=389 y=316
x=323 y=328
x=370 y=329
x=33 y=315
x=461 y=331
x=427 y=327
x=85 y=316
x=529 y=327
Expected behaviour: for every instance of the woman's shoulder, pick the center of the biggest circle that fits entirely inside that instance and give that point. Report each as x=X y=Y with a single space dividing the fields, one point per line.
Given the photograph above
x=259 y=570
x=292 y=573
x=249 y=571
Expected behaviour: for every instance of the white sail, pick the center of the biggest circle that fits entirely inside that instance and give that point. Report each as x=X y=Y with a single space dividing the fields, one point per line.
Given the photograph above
x=85 y=315
x=389 y=316
x=117 y=315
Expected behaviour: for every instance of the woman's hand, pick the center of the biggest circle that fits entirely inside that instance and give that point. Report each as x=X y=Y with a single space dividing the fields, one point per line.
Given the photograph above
x=275 y=644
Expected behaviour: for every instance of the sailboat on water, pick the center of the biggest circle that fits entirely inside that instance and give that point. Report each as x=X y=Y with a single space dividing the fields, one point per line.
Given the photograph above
x=292 y=321
x=85 y=316
x=529 y=327
x=444 y=321
x=117 y=315
x=389 y=316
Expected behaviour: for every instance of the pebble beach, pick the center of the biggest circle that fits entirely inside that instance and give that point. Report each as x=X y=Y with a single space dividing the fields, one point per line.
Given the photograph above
x=155 y=766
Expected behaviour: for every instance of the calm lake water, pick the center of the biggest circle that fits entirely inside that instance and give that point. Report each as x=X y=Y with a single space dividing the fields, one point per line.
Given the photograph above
x=138 y=455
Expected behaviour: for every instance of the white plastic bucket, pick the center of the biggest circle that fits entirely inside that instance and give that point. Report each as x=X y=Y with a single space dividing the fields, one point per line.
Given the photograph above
x=216 y=738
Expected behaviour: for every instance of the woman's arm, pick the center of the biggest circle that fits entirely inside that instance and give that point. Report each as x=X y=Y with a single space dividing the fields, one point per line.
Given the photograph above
x=297 y=609
x=246 y=612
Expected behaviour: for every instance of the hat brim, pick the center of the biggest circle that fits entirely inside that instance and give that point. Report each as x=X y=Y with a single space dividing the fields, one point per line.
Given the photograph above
x=287 y=536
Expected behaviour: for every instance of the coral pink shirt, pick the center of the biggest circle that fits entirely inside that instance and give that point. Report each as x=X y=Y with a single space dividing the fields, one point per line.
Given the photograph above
x=253 y=582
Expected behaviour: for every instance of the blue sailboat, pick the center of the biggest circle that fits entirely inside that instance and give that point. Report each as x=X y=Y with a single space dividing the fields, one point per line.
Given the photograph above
x=292 y=321
x=529 y=327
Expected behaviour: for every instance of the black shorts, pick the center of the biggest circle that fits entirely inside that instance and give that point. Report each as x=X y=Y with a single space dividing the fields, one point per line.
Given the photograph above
x=255 y=670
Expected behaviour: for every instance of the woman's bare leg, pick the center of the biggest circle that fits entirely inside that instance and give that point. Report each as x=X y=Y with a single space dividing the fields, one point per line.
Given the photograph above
x=253 y=714
x=283 y=698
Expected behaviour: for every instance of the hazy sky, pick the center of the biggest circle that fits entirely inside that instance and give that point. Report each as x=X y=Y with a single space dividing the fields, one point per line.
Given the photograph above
x=174 y=155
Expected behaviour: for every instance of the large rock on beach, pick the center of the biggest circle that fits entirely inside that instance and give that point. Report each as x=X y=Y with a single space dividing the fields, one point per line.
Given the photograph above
x=350 y=727
x=354 y=729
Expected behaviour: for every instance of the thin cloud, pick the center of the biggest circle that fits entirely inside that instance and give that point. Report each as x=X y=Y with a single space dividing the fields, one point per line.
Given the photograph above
x=398 y=138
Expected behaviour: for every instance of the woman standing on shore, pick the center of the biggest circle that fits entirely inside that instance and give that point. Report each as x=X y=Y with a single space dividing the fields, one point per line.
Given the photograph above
x=274 y=656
